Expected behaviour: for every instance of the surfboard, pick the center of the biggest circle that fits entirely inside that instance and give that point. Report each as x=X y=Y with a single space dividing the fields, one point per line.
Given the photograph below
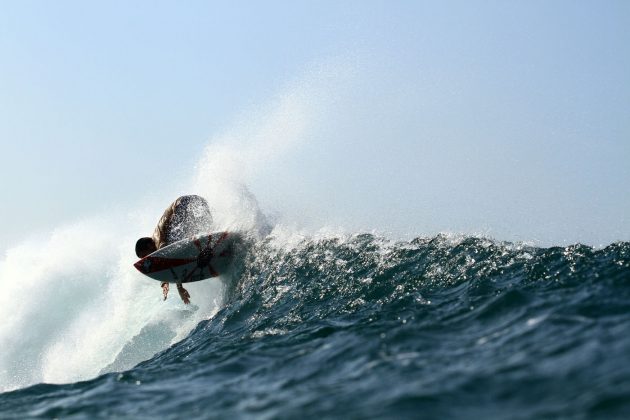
x=197 y=258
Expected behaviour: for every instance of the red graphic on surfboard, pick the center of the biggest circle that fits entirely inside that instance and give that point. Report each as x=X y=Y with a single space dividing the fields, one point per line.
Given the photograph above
x=197 y=258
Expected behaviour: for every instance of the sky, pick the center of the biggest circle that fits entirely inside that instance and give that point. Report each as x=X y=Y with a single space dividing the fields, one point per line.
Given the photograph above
x=504 y=119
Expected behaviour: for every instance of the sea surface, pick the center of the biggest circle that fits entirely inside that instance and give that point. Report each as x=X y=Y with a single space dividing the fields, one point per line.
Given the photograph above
x=358 y=326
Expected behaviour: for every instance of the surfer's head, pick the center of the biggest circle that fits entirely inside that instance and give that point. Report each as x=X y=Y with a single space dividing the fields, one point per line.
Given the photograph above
x=144 y=247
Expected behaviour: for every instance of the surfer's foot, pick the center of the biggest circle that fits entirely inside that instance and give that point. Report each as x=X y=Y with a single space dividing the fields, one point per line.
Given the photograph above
x=183 y=293
x=165 y=289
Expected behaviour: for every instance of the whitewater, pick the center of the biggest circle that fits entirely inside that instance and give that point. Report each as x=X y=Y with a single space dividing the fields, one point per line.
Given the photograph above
x=311 y=322
x=81 y=310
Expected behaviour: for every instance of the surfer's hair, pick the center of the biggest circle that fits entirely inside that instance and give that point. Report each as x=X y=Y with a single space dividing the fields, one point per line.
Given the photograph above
x=144 y=244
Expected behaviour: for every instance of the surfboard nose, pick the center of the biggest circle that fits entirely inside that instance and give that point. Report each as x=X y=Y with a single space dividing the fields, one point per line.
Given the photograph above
x=143 y=265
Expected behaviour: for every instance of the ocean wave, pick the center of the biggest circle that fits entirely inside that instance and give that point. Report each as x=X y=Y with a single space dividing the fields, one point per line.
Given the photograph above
x=363 y=326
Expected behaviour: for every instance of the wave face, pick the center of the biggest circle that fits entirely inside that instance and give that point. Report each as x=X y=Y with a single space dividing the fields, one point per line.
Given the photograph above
x=364 y=327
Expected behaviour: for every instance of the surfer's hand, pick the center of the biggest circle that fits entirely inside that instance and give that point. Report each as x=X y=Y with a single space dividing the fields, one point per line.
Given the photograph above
x=165 y=289
x=183 y=293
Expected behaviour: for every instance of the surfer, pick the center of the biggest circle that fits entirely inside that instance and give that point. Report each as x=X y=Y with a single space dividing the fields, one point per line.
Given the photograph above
x=187 y=216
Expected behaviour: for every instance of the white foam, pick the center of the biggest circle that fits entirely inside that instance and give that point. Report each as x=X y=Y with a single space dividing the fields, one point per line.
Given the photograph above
x=72 y=301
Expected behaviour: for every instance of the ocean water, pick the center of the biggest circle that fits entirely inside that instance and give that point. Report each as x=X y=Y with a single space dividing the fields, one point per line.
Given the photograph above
x=332 y=326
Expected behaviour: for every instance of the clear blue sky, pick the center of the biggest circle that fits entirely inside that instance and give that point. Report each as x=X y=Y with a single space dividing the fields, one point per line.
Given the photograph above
x=506 y=118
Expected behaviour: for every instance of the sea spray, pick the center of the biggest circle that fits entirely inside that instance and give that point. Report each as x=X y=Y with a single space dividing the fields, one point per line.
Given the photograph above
x=72 y=302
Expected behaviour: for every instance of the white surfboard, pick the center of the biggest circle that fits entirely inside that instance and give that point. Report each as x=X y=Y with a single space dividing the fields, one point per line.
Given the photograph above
x=197 y=258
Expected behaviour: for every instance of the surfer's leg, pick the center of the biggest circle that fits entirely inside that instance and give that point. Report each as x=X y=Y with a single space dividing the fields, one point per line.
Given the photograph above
x=165 y=289
x=183 y=293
